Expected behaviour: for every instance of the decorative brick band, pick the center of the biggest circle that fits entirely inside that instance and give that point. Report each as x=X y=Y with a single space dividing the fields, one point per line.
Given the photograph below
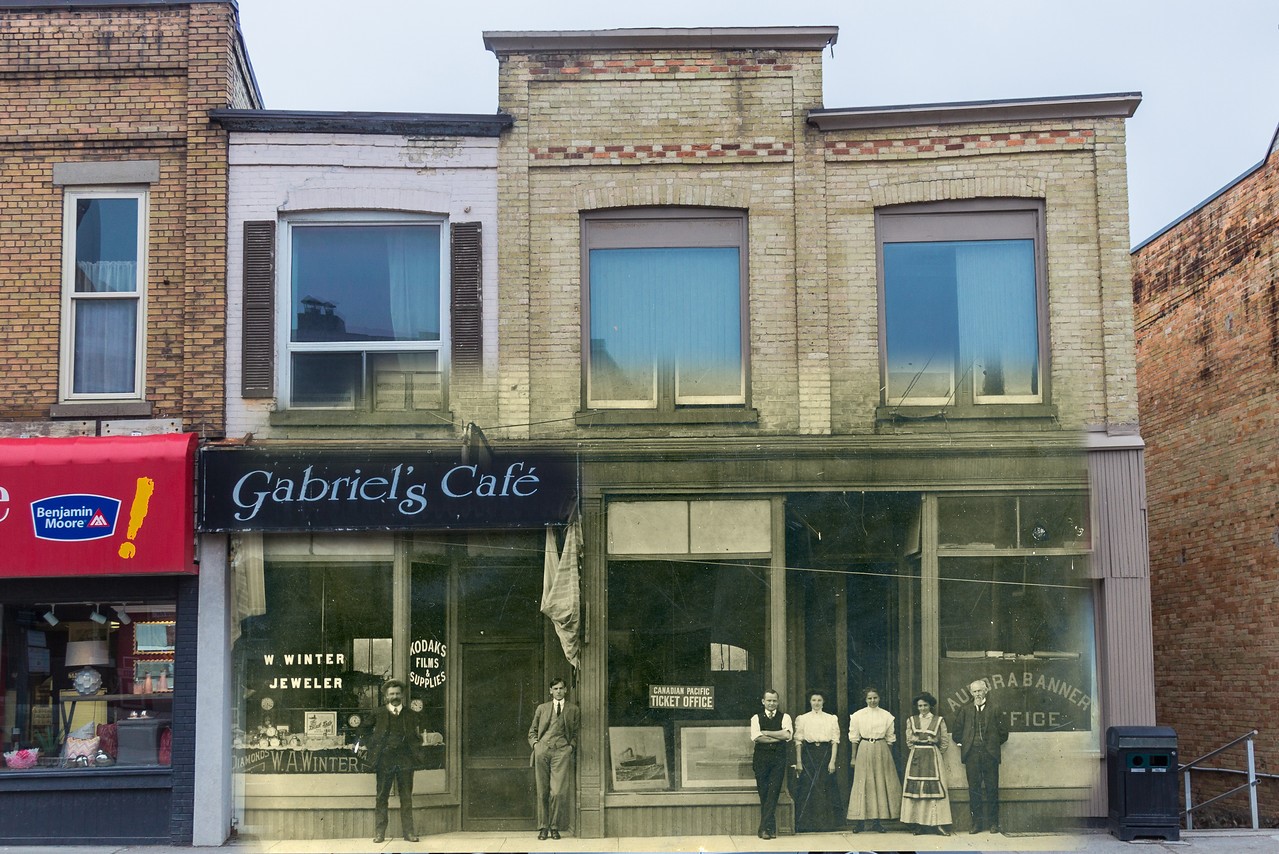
x=648 y=65
x=665 y=152
x=949 y=189
x=974 y=143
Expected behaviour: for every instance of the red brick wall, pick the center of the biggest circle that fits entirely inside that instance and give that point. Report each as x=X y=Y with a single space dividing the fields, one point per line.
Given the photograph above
x=1207 y=303
x=117 y=84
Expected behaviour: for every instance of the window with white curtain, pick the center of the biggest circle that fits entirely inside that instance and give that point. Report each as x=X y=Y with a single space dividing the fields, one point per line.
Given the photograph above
x=962 y=307
x=104 y=287
x=665 y=294
x=364 y=326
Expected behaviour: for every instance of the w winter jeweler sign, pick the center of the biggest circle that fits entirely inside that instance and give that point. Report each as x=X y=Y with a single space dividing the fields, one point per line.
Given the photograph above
x=249 y=489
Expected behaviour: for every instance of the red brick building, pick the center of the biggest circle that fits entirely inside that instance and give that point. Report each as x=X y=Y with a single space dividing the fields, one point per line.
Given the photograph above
x=113 y=270
x=1206 y=291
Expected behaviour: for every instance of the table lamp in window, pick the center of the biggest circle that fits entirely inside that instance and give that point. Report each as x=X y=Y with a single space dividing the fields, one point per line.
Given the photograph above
x=86 y=655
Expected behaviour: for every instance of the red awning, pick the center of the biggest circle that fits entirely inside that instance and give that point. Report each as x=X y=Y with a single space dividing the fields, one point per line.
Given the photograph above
x=97 y=505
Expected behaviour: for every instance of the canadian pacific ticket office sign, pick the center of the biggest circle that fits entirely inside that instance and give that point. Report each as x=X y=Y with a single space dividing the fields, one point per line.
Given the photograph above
x=681 y=697
x=251 y=489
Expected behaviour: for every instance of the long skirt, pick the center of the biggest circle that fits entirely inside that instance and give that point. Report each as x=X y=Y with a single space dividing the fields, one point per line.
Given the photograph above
x=815 y=790
x=924 y=798
x=876 y=793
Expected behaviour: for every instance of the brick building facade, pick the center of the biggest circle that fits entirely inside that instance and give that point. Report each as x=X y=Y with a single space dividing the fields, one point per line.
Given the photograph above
x=848 y=477
x=1204 y=289
x=113 y=258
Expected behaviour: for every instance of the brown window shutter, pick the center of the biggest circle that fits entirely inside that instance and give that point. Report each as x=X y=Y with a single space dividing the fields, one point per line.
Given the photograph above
x=257 y=341
x=466 y=310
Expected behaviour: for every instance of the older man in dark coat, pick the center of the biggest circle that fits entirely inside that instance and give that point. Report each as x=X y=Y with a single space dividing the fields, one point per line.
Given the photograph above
x=397 y=732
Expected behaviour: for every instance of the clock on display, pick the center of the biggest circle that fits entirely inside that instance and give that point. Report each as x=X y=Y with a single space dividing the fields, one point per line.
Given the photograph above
x=267 y=704
x=354 y=721
x=416 y=705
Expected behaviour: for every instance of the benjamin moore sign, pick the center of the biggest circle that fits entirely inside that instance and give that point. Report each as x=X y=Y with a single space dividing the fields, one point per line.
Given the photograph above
x=350 y=490
x=97 y=505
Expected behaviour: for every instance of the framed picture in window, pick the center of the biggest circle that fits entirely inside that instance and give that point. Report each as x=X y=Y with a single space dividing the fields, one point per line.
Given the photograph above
x=714 y=755
x=637 y=757
x=154 y=637
x=320 y=724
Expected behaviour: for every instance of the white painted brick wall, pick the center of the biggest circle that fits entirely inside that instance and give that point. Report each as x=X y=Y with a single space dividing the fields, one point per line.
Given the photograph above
x=274 y=173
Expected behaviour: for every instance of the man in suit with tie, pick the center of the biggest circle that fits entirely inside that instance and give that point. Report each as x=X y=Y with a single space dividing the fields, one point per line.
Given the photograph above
x=980 y=732
x=397 y=731
x=553 y=737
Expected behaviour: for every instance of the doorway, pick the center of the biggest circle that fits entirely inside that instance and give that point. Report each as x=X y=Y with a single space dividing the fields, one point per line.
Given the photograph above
x=503 y=686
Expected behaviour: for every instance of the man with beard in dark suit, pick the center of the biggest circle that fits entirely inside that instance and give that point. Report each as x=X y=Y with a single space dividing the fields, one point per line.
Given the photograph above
x=980 y=732
x=397 y=731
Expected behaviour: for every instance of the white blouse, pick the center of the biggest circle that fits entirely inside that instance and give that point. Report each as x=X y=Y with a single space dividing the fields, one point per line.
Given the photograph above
x=871 y=723
x=817 y=726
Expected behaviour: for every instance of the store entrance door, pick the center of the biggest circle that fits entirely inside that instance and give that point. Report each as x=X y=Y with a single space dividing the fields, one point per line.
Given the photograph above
x=502 y=685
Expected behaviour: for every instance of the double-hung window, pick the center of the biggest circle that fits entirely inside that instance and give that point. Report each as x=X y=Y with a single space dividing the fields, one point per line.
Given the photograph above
x=665 y=294
x=104 y=287
x=364 y=324
x=963 y=304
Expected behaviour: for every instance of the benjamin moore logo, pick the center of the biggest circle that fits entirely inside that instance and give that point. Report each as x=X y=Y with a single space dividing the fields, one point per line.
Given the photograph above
x=74 y=518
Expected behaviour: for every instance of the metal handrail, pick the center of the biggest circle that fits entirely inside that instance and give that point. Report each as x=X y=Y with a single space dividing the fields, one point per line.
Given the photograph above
x=1251 y=785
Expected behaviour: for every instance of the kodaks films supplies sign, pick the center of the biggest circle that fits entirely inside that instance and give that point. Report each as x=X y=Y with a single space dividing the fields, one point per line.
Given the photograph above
x=250 y=489
x=97 y=505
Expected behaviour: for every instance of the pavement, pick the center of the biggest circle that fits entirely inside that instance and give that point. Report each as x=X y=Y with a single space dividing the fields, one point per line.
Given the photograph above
x=1095 y=842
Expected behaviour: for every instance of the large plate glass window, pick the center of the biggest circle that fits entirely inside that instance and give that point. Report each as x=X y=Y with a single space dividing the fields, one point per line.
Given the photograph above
x=104 y=283
x=366 y=318
x=962 y=304
x=88 y=686
x=665 y=295
x=686 y=658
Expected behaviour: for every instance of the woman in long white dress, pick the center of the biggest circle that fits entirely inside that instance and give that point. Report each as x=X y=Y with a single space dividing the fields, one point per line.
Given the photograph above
x=876 y=793
x=925 y=800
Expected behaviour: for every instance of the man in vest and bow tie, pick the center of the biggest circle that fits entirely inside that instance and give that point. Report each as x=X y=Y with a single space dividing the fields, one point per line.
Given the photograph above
x=397 y=731
x=771 y=730
x=980 y=732
x=553 y=737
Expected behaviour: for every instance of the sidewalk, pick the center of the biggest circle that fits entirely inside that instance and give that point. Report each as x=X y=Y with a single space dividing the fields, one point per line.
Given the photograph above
x=1216 y=841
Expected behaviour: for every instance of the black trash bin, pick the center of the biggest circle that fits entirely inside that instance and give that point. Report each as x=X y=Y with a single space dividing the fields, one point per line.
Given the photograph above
x=1141 y=763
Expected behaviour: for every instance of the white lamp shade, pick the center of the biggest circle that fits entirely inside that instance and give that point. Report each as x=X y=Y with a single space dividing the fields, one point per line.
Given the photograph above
x=86 y=653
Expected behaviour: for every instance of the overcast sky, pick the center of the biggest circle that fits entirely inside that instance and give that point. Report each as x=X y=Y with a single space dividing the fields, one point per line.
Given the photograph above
x=1208 y=71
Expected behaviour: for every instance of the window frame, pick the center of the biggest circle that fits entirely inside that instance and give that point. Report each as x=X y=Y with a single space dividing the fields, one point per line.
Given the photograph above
x=284 y=308
x=967 y=220
x=667 y=228
x=71 y=298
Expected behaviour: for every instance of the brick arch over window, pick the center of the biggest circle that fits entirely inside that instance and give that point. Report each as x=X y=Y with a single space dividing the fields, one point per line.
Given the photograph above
x=673 y=191
x=950 y=189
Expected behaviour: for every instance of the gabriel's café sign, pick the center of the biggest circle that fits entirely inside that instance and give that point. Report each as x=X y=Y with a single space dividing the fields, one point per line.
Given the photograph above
x=318 y=489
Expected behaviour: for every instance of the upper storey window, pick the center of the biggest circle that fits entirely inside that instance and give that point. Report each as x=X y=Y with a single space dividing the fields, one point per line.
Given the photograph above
x=365 y=317
x=104 y=277
x=666 y=305
x=963 y=304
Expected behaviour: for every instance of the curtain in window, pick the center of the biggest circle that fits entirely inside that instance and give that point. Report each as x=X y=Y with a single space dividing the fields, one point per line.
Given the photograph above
x=999 y=338
x=103 y=277
x=105 y=346
x=665 y=309
x=413 y=261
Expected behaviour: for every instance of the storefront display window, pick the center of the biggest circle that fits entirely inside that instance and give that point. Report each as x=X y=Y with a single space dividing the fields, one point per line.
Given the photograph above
x=313 y=663
x=87 y=685
x=686 y=652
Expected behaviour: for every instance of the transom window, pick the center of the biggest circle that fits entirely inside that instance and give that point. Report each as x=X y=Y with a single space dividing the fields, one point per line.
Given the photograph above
x=104 y=285
x=666 y=296
x=962 y=304
x=366 y=316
